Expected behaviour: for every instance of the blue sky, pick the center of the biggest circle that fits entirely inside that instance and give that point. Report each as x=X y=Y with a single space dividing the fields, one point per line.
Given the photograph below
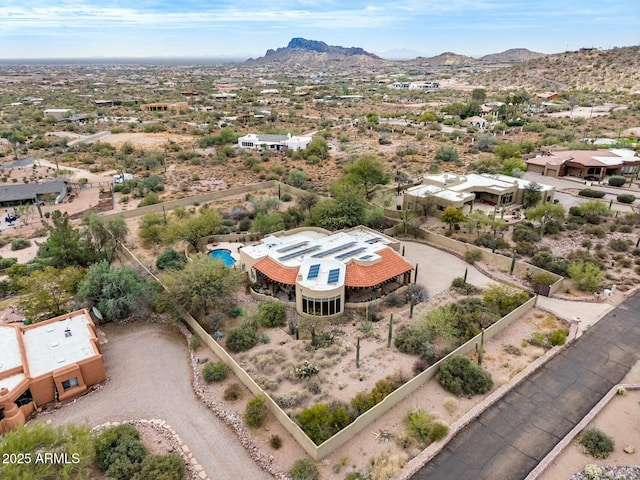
x=195 y=28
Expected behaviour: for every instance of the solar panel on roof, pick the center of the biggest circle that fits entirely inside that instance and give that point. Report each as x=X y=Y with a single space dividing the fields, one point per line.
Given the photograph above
x=334 y=275
x=324 y=253
x=366 y=257
x=291 y=247
x=314 y=270
x=351 y=252
x=373 y=240
x=299 y=252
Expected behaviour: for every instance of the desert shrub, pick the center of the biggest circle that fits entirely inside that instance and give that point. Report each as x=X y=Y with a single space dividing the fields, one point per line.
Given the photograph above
x=619 y=245
x=459 y=376
x=626 y=198
x=22 y=243
x=170 y=259
x=512 y=350
x=617 y=181
x=7 y=262
x=596 y=443
x=395 y=300
x=538 y=339
x=417 y=292
x=306 y=369
x=215 y=372
x=416 y=342
x=291 y=399
x=472 y=256
x=256 y=412
x=242 y=338
x=233 y=392
x=271 y=313
x=424 y=428
x=275 y=442
x=458 y=285
x=151 y=198
x=321 y=421
x=594 y=230
x=542 y=259
x=304 y=469
x=526 y=248
x=542 y=279
x=589 y=192
x=558 y=337
x=586 y=275
x=120 y=452
x=235 y=311
x=447 y=154
x=162 y=467
x=385 y=465
x=525 y=234
x=489 y=240
x=504 y=299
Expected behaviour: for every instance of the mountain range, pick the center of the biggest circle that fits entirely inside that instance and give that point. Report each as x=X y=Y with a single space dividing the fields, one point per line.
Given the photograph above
x=310 y=52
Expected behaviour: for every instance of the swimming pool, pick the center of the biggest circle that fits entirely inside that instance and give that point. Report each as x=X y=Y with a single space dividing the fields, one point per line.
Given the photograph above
x=224 y=256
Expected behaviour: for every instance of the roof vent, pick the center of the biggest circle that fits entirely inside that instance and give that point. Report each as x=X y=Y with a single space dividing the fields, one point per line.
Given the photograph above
x=67 y=332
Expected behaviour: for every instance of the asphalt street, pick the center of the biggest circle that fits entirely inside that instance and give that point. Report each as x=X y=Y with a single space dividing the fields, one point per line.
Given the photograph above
x=510 y=438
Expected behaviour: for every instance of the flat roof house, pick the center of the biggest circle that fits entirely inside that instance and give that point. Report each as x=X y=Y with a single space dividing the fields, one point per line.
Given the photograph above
x=278 y=143
x=45 y=362
x=322 y=271
x=461 y=191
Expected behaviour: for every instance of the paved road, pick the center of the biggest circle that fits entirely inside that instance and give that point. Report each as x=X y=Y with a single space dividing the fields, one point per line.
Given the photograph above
x=149 y=377
x=513 y=436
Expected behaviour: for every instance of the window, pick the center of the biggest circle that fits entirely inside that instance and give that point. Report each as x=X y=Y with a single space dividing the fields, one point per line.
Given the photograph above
x=71 y=383
x=321 y=306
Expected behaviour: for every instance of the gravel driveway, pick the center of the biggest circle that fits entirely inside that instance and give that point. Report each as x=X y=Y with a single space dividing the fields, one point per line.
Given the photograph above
x=149 y=377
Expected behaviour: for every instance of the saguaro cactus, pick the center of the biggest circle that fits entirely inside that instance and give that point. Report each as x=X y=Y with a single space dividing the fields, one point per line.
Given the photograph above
x=480 y=350
x=390 y=331
x=358 y=353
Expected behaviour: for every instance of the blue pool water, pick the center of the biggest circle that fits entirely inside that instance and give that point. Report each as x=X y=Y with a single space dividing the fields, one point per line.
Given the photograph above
x=224 y=255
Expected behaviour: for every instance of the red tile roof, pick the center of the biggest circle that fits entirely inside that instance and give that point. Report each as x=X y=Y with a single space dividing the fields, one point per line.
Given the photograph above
x=276 y=271
x=391 y=266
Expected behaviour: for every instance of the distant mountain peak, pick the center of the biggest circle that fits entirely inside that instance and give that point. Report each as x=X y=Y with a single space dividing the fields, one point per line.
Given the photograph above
x=304 y=51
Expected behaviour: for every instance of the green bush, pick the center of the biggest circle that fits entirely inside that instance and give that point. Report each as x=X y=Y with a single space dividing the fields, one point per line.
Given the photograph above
x=459 y=376
x=503 y=298
x=619 y=245
x=586 y=275
x=320 y=421
x=109 y=439
x=242 y=338
x=120 y=452
x=162 y=467
x=256 y=412
x=304 y=469
x=458 y=285
x=215 y=372
x=424 y=428
x=416 y=342
x=150 y=198
x=22 y=243
x=275 y=441
x=524 y=234
x=596 y=443
x=626 y=198
x=233 y=392
x=488 y=240
x=558 y=337
x=271 y=313
x=170 y=259
x=472 y=256
x=588 y=192
x=447 y=154
x=617 y=181
x=542 y=279
x=7 y=262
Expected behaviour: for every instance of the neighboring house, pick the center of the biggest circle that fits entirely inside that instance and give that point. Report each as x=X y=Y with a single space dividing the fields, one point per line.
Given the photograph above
x=58 y=113
x=477 y=122
x=463 y=191
x=107 y=103
x=322 y=271
x=163 y=106
x=415 y=85
x=547 y=95
x=586 y=164
x=11 y=195
x=278 y=143
x=46 y=362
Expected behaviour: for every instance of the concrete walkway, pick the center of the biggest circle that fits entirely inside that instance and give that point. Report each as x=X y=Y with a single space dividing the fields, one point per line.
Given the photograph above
x=509 y=439
x=585 y=313
x=150 y=377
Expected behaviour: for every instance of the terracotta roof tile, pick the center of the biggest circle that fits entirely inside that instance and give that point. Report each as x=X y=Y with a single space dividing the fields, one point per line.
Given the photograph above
x=391 y=266
x=277 y=272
